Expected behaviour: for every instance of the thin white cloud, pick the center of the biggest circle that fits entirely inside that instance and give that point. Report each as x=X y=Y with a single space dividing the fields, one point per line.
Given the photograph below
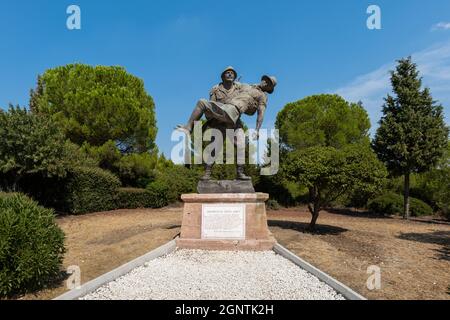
x=366 y=86
x=371 y=88
x=441 y=26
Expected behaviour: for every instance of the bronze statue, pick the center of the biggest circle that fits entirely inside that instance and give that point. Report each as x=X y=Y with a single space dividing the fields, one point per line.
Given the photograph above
x=228 y=101
x=227 y=88
x=222 y=92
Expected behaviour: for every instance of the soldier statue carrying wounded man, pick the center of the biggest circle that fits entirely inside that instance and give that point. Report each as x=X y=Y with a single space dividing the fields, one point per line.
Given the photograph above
x=228 y=101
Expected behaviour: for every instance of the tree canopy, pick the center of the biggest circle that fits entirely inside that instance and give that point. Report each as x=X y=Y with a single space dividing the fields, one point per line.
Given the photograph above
x=322 y=120
x=97 y=104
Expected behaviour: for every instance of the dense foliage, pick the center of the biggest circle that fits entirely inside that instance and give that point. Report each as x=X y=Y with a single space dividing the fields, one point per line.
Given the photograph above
x=133 y=198
x=30 y=144
x=329 y=173
x=159 y=191
x=88 y=190
x=31 y=245
x=432 y=186
x=392 y=204
x=178 y=179
x=133 y=169
x=325 y=150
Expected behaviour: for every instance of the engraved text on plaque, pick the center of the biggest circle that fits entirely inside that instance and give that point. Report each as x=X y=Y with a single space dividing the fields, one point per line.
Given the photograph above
x=223 y=221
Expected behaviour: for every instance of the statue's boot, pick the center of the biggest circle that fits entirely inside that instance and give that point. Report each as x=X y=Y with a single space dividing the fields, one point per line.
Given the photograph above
x=241 y=175
x=196 y=115
x=208 y=170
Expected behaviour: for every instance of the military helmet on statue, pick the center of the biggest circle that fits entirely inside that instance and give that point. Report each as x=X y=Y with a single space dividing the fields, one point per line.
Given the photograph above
x=271 y=80
x=229 y=68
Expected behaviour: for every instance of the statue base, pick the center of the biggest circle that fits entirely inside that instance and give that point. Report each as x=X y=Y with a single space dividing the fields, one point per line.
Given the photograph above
x=225 y=186
x=225 y=222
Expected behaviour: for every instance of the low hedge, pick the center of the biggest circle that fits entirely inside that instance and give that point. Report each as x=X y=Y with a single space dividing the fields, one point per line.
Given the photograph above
x=89 y=190
x=178 y=180
x=159 y=193
x=392 y=204
x=134 y=198
x=272 y=204
x=31 y=245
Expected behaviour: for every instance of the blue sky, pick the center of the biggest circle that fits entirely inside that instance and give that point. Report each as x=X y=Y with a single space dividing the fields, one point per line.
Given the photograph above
x=179 y=48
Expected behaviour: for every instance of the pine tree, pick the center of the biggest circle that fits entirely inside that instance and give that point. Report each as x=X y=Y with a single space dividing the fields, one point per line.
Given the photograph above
x=412 y=135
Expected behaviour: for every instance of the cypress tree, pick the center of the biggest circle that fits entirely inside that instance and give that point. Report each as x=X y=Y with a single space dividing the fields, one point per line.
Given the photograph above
x=412 y=135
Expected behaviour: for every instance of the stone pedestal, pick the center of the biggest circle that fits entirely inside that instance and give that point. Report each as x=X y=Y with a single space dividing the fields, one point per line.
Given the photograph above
x=225 y=221
x=225 y=186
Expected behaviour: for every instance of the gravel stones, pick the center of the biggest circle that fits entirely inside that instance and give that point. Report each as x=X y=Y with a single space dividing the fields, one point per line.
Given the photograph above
x=217 y=275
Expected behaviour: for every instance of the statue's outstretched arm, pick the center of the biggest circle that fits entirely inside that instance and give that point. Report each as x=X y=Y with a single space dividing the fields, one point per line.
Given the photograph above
x=260 y=118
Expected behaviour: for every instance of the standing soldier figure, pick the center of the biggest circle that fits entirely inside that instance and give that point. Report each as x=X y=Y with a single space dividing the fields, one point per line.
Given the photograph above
x=222 y=93
x=225 y=90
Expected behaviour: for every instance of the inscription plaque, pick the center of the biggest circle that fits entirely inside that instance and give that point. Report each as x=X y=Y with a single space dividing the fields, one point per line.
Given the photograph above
x=223 y=221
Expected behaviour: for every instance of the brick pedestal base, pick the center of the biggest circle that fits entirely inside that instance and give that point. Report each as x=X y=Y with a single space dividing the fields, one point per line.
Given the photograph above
x=257 y=234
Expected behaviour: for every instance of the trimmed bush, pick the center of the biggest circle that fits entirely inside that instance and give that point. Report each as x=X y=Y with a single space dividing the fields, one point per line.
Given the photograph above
x=31 y=245
x=392 y=204
x=159 y=193
x=272 y=204
x=133 y=198
x=389 y=204
x=419 y=208
x=179 y=180
x=89 y=190
x=136 y=170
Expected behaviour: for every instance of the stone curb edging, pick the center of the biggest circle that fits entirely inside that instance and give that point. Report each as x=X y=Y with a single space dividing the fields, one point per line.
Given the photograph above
x=336 y=285
x=171 y=246
x=92 y=285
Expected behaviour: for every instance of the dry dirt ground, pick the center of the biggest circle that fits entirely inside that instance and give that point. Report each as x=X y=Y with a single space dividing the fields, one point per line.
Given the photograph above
x=414 y=257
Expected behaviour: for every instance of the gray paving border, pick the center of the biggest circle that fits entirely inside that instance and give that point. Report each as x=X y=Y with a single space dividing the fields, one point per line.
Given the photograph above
x=92 y=285
x=171 y=246
x=336 y=285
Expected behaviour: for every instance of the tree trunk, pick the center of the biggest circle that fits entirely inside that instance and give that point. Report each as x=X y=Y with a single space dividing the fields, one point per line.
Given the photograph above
x=315 y=215
x=15 y=185
x=406 y=197
x=314 y=207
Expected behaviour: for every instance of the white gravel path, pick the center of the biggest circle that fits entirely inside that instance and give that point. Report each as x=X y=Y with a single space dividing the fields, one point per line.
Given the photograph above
x=216 y=275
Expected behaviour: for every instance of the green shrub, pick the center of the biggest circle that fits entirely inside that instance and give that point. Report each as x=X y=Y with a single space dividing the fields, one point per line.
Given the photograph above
x=159 y=193
x=284 y=192
x=180 y=179
x=391 y=203
x=432 y=187
x=30 y=144
x=133 y=198
x=136 y=170
x=31 y=245
x=272 y=204
x=89 y=190
x=419 y=208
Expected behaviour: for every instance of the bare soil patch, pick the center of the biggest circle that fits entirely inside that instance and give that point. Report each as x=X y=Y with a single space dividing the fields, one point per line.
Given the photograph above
x=414 y=256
